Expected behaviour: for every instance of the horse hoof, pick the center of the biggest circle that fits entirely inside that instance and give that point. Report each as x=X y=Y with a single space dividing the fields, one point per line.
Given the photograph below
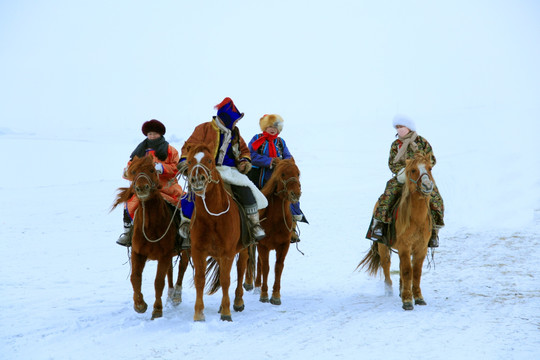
x=199 y=318
x=263 y=299
x=176 y=302
x=141 y=308
x=157 y=314
x=419 y=302
x=226 y=318
x=408 y=305
x=238 y=308
x=248 y=287
x=275 y=301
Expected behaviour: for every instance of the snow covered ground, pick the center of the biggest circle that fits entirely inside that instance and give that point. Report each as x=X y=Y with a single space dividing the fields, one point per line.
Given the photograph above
x=75 y=94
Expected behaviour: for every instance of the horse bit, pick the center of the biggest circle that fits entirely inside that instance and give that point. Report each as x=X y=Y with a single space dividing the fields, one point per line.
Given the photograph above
x=201 y=192
x=153 y=187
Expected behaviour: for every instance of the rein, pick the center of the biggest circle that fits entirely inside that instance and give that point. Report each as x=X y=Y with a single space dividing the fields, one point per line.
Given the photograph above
x=202 y=193
x=285 y=182
x=153 y=187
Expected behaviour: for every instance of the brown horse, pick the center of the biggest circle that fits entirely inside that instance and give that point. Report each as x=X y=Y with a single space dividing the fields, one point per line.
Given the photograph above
x=215 y=232
x=413 y=231
x=282 y=189
x=154 y=234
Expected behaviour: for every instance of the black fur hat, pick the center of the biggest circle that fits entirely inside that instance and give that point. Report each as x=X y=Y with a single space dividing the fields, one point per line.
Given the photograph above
x=155 y=126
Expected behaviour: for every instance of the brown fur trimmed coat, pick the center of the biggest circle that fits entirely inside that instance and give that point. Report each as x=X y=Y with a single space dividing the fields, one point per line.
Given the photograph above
x=208 y=133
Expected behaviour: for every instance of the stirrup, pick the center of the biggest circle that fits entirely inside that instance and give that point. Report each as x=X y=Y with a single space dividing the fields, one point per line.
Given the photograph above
x=258 y=233
x=434 y=240
x=294 y=237
x=377 y=230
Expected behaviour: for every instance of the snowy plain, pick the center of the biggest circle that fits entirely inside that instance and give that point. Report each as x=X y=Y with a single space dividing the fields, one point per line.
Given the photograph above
x=79 y=79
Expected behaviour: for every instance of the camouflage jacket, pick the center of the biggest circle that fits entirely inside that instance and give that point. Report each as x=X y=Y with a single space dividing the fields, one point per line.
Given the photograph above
x=423 y=147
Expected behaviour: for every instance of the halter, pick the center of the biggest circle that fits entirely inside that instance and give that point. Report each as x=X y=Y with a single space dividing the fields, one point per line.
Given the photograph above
x=153 y=186
x=285 y=182
x=420 y=188
x=193 y=174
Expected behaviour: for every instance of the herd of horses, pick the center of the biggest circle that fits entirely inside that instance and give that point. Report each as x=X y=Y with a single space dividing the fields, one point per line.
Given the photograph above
x=217 y=239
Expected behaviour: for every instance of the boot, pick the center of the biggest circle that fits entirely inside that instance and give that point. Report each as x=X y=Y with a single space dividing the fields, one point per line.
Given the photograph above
x=434 y=241
x=256 y=230
x=184 y=231
x=377 y=230
x=125 y=238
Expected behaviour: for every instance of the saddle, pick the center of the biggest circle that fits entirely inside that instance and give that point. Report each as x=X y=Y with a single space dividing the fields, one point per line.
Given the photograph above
x=245 y=233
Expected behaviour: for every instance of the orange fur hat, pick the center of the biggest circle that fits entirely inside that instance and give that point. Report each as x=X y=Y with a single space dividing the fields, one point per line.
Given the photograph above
x=271 y=120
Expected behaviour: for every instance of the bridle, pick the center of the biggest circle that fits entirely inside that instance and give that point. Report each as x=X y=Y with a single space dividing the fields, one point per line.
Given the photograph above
x=199 y=186
x=284 y=190
x=153 y=186
x=421 y=188
x=285 y=183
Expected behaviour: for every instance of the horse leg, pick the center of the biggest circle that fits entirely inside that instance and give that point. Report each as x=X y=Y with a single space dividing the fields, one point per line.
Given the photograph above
x=418 y=262
x=176 y=295
x=170 y=281
x=281 y=253
x=384 y=254
x=241 y=265
x=259 y=270
x=164 y=265
x=199 y=263
x=137 y=266
x=248 y=283
x=405 y=270
x=225 y=265
x=265 y=268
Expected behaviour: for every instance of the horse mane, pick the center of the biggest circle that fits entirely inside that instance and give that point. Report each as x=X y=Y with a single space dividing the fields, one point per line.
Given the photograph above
x=196 y=148
x=273 y=182
x=403 y=220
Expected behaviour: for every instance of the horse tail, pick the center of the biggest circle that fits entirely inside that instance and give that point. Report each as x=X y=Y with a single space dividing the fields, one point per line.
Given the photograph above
x=212 y=274
x=372 y=260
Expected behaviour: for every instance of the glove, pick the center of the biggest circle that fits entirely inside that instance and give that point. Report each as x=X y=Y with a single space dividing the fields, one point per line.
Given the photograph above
x=275 y=162
x=244 y=167
x=159 y=168
x=401 y=176
x=182 y=168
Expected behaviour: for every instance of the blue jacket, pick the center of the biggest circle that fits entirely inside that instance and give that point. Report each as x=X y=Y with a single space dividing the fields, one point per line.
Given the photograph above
x=261 y=159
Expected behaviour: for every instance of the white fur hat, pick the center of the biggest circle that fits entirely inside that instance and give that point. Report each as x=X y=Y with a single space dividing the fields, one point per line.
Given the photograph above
x=404 y=121
x=271 y=120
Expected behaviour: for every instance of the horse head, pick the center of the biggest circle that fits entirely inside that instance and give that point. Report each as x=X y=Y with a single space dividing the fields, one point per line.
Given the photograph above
x=287 y=180
x=418 y=174
x=201 y=169
x=145 y=180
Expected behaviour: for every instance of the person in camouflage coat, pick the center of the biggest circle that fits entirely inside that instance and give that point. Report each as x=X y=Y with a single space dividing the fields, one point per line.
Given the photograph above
x=405 y=147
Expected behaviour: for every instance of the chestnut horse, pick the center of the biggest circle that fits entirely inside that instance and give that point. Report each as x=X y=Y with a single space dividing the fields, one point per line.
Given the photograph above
x=413 y=231
x=215 y=232
x=282 y=188
x=154 y=234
